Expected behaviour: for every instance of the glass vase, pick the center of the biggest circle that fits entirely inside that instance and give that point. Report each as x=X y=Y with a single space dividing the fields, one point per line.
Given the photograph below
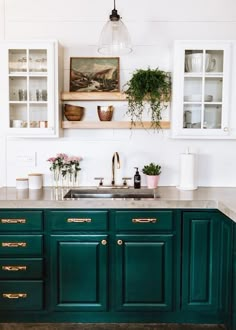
x=76 y=179
x=56 y=176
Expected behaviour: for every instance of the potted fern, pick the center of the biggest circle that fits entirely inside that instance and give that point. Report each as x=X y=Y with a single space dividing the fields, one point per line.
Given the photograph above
x=149 y=90
x=152 y=172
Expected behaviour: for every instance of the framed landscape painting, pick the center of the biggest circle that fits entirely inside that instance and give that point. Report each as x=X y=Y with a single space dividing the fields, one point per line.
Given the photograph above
x=94 y=74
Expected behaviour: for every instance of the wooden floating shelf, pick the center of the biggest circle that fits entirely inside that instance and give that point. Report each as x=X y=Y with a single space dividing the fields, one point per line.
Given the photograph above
x=112 y=124
x=93 y=96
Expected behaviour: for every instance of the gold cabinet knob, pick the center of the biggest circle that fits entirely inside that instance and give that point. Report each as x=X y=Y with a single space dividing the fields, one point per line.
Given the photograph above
x=104 y=242
x=119 y=242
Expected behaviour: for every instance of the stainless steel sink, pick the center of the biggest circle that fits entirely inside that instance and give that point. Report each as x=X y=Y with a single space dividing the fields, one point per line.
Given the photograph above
x=95 y=193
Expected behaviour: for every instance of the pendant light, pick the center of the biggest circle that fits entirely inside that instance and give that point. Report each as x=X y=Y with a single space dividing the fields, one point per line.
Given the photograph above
x=114 y=39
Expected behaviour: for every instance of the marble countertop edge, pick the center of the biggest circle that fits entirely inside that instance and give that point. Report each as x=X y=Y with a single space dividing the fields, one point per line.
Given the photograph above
x=223 y=199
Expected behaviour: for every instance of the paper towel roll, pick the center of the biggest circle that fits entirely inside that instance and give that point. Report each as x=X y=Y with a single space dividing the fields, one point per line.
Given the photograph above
x=187 y=172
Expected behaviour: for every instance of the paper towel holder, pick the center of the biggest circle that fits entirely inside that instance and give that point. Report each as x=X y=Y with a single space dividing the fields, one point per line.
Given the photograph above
x=187 y=179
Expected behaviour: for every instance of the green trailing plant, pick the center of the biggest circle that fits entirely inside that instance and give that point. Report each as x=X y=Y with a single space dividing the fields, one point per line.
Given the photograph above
x=148 y=89
x=152 y=169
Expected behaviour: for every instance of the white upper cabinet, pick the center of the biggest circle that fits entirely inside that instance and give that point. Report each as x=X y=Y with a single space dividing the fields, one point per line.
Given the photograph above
x=202 y=82
x=29 y=88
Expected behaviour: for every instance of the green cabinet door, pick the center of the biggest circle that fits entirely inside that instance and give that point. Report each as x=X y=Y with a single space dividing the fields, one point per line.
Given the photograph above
x=79 y=272
x=234 y=282
x=200 y=270
x=144 y=272
x=225 y=265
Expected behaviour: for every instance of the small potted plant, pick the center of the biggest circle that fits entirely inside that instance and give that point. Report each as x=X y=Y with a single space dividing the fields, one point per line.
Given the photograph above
x=152 y=172
x=148 y=90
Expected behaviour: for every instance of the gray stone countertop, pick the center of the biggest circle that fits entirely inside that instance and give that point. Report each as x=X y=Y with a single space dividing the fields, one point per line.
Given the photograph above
x=223 y=199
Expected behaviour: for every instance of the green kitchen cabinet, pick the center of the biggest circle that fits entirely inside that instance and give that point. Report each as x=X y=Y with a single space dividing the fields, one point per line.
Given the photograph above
x=79 y=259
x=144 y=272
x=117 y=265
x=207 y=265
x=21 y=261
x=147 y=254
x=79 y=272
x=234 y=283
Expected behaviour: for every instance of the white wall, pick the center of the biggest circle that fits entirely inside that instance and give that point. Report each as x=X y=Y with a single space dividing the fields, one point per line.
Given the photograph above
x=153 y=25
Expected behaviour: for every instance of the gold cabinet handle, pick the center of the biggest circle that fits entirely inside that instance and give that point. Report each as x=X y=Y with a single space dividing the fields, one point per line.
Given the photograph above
x=119 y=242
x=14 y=295
x=144 y=220
x=14 y=268
x=14 y=244
x=79 y=220
x=13 y=221
x=104 y=242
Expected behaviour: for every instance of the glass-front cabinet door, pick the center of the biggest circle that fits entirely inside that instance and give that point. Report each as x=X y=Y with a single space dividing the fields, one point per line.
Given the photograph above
x=31 y=88
x=201 y=89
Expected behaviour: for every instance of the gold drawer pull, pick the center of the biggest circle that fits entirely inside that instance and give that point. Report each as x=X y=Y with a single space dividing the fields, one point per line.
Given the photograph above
x=144 y=220
x=14 y=295
x=14 y=268
x=79 y=220
x=14 y=244
x=13 y=221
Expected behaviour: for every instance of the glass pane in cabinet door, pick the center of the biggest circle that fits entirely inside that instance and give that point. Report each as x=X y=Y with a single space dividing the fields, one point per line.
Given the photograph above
x=214 y=60
x=192 y=116
x=38 y=115
x=38 y=60
x=18 y=89
x=192 y=89
x=212 y=116
x=18 y=115
x=38 y=89
x=193 y=60
x=213 y=89
x=17 y=59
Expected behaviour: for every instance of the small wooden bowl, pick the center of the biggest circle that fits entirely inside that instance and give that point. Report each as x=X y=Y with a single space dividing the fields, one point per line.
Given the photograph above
x=105 y=113
x=73 y=112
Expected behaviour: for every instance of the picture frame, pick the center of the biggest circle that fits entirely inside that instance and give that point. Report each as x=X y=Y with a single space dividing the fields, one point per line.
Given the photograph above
x=95 y=74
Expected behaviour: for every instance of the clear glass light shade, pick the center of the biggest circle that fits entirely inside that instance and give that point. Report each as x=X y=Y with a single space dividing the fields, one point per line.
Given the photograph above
x=114 y=39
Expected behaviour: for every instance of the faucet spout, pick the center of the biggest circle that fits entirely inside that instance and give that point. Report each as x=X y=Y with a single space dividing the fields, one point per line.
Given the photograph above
x=116 y=158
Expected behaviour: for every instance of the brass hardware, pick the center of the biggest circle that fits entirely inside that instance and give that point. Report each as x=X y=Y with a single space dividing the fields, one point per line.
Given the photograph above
x=117 y=158
x=119 y=242
x=104 y=242
x=79 y=220
x=14 y=268
x=144 y=220
x=125 y=184
x=13 y=221
x=14 y=244
x=14 y=295
x=100 y=180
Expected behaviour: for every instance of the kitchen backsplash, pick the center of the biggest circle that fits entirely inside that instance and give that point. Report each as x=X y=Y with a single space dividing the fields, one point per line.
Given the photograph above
x=153 y=31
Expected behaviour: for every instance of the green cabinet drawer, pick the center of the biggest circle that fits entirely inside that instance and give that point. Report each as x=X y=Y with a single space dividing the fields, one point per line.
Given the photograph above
x=21 y=245
x=77 y=220
x=21 y=295
x=21 y=268
x=144 y=220
x=21 y=220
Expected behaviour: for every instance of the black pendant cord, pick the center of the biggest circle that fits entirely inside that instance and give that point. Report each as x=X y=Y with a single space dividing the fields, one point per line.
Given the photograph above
x=114 y=14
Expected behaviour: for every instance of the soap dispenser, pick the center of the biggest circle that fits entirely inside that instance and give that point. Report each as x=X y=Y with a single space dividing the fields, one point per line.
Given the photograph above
x=137 y=179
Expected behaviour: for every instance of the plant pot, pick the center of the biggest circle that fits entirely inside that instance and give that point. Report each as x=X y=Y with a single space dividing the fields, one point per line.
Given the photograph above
x=105 y=113
x=152 y=181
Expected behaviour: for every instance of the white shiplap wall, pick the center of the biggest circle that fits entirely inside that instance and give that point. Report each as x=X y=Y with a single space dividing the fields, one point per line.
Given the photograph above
x=153 y=25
